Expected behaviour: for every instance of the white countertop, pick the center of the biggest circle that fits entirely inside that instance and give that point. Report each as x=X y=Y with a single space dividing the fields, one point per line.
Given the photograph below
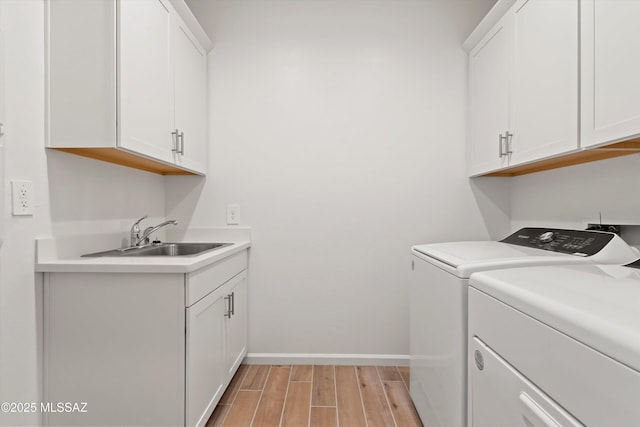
x=64 y=254
x=598 y=305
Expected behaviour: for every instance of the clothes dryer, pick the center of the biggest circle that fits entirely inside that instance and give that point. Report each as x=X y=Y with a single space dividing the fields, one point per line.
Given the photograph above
x=555 y=346
x=438 y=307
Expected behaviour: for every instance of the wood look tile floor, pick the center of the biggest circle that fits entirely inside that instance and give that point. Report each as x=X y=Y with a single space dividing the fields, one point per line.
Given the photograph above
x=317 y=396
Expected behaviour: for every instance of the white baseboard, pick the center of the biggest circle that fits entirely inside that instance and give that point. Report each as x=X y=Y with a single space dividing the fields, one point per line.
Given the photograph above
x=326 y=359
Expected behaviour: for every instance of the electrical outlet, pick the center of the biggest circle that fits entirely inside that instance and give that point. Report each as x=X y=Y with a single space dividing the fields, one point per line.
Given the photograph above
x=233 y=214
x=22 y=197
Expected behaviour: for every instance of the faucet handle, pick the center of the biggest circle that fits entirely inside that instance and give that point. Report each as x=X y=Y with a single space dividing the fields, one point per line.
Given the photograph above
x=135 y=224
x=135 y=231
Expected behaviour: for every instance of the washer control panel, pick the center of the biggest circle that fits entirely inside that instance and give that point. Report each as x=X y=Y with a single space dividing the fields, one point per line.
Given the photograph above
x=574 y=242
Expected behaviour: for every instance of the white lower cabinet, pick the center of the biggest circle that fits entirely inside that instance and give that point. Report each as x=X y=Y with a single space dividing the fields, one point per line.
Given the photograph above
x=236 y=324
x=216 y=344
x=144 y=349
x=205 y=357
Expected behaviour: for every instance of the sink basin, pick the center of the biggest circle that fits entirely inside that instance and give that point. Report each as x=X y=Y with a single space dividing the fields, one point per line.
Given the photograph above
x=163 y=249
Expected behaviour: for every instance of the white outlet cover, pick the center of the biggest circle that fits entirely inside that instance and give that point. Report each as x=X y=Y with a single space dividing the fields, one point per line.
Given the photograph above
x=22 y=197
x=233 y=214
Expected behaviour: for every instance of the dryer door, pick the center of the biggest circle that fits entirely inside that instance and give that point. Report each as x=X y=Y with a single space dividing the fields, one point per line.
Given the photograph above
x=500 y=396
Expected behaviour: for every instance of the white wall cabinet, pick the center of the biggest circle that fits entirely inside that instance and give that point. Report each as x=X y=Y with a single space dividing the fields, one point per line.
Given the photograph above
x=524 y=86
x=190 y=100
x=489 y=99
x=610 y=67
x=143 y=56
x=141 y=348
x=544 y=120
x=127 y=84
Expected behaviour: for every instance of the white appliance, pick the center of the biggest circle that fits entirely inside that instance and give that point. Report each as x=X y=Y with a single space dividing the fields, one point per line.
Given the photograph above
x=555 y=346
x=438 y=307
x=2 y=94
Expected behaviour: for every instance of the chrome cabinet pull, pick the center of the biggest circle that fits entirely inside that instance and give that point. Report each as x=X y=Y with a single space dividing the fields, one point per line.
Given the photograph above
x=228 y=313
x=233 y=303
x=175 y=141
x=178 y=142
x=181 y=138
x=504 y=144
x=508 y=137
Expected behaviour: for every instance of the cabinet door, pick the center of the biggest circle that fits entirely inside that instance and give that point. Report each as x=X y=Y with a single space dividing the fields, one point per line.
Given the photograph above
x=544 y=79
x=236 y=325
x=489 y=99
x=500 y=396
x=205 y=374
x=190 y=101
x=610 y=69
x=144 y=78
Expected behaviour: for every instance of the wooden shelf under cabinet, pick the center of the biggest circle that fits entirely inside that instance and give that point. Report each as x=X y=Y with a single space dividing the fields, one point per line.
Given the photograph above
x=124 y=158
x=618 y=149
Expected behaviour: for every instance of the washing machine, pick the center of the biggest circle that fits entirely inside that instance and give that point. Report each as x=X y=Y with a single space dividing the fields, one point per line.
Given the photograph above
x=438 y=304
x=555 y=346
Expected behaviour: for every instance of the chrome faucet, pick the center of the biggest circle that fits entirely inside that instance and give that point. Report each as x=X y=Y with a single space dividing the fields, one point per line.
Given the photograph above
x=135 y=232
x=137 y=240
x=144 y=239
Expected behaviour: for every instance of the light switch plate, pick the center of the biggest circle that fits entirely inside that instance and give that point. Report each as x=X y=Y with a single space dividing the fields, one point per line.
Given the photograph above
x=233 y=214
x=22 y=197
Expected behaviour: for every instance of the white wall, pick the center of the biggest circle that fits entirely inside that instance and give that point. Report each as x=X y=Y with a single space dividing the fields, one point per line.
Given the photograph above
x=338 y=127
x=73 y=195
x=573 y=196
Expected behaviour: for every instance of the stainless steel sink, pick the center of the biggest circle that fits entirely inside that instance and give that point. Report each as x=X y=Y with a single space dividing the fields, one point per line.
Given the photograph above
x=163 y=249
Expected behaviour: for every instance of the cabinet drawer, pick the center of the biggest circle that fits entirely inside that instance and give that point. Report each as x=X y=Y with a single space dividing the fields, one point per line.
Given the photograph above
x=204 y=281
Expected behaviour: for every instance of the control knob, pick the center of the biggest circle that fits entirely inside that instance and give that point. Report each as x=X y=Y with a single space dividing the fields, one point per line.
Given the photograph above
x=546 y=237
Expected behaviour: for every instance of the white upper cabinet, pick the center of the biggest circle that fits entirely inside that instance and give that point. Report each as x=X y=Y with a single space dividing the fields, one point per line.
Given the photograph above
x=127 y=83
x=489 y=86
x=190 y=100
x=145 y=78
x=544 y=79
x=524 y=85
x=610 y=69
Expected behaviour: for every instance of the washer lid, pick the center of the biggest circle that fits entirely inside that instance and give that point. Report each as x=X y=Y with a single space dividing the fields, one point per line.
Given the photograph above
x=465 y=258
x=459 y=253
x=598 y=305
x=529 y=246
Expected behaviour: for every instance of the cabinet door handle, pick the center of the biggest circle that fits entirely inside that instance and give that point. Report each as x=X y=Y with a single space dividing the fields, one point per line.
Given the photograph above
x=181 y=138
x=228 y=313
x=501 y=139
x=175 y=141
x=508 y=137
x=233 y=303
